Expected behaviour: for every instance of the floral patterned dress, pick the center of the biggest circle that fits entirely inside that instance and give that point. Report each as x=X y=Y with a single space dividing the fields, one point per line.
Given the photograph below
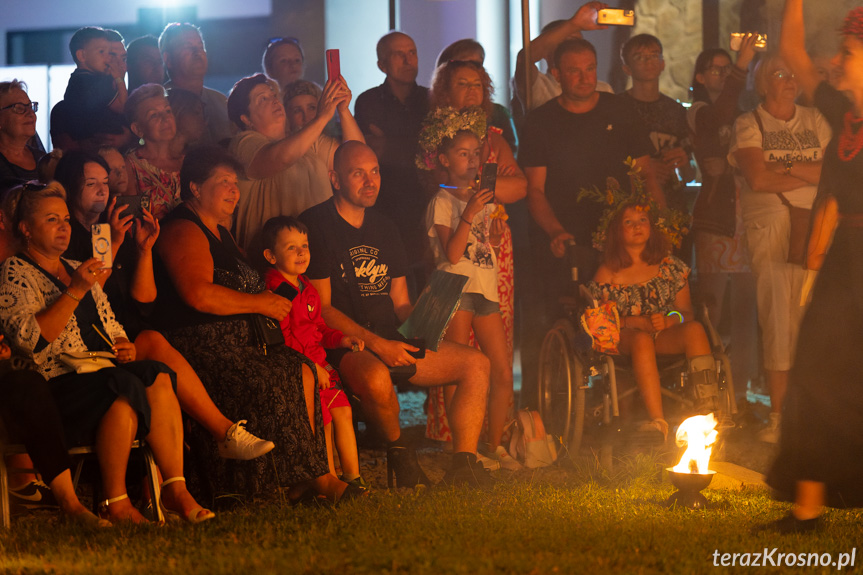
x=245 y=381
x=160 y=188
x=656 y=295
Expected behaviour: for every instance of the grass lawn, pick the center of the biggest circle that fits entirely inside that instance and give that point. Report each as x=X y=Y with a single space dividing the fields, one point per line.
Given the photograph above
x=578 y=520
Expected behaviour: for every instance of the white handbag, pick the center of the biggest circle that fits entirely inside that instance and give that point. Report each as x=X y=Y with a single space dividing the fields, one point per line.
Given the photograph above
x=87 y=361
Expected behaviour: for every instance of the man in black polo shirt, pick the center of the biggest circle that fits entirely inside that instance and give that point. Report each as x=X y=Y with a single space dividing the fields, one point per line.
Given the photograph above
x=358 y=266
x=390 y=117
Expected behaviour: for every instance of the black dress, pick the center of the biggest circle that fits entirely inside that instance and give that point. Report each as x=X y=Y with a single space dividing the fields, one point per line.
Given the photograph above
x=822 y=421
x=266 y=389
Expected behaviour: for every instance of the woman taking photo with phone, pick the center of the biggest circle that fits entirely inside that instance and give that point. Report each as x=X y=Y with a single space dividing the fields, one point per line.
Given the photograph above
x=50 y=307
x=130 y=287
x=275 y=154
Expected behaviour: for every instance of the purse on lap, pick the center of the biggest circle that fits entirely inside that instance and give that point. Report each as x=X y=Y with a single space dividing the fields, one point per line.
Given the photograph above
x=87 y=361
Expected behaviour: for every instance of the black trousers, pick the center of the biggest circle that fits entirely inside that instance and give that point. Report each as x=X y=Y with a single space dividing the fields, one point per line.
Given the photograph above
x=30 y=415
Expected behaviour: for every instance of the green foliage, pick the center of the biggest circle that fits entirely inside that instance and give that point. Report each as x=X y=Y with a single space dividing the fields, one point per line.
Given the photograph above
x=539 y=521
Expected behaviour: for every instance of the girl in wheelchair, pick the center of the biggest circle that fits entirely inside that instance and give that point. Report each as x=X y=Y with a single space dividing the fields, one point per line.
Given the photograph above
x=651 y=290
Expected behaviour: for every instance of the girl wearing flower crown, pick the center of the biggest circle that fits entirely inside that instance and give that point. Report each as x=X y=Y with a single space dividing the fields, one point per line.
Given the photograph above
x=465 y=233
x=651 y=290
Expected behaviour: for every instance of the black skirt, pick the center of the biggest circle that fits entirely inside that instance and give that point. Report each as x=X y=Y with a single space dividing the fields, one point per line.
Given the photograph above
x=84 y=398
x=822 y=417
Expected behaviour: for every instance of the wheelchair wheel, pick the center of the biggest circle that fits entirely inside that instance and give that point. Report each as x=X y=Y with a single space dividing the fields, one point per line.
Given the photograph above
x=561 y=386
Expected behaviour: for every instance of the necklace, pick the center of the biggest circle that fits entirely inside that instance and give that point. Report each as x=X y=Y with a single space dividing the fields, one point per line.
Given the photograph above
x=850 y=143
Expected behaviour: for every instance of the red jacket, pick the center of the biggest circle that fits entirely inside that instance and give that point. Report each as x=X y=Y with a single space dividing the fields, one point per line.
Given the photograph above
x=304 y=328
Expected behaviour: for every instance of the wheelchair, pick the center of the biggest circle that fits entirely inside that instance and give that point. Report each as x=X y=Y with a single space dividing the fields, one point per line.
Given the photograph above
x=578 y=386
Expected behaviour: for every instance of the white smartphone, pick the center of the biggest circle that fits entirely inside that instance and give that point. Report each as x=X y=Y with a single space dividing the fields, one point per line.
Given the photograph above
x=101 y=234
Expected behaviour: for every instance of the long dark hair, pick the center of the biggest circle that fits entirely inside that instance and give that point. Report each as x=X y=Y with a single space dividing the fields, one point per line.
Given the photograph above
x=70 y=173
x=697 y=91
x=615 y=255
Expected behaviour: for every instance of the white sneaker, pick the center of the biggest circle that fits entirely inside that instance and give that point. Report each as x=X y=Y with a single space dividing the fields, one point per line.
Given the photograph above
x=240 y=444
x=487 y=462
x=505 y=459
x=770 y=434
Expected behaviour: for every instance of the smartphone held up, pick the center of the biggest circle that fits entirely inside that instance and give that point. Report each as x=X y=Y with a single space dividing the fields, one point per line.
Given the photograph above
x=615 y=17
x=737 y=41
x=334 y=67
x=488 y=179
x=101 y=236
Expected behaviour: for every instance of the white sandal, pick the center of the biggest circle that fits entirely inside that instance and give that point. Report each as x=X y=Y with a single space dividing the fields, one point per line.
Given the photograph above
x=195 y=515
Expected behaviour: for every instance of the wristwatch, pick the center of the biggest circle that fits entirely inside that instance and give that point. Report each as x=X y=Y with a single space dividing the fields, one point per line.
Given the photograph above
x=788 y=165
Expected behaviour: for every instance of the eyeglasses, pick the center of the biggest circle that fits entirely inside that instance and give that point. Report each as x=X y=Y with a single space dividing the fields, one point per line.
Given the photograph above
x=783 y=75
x=649 y=57
x=719 y=70
x=21 y=108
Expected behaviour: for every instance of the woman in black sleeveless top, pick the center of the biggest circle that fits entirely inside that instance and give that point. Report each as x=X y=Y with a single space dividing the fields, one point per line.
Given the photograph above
x=208 y=297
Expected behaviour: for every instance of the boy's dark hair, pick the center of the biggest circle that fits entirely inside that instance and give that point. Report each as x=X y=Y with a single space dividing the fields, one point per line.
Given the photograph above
x=272 y=227
x=114 y=36
x=84 y=36
x=572 y=46
x=636 y=42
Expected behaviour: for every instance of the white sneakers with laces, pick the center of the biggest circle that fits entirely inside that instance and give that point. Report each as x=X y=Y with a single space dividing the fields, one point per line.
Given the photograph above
x=770 y=434
x=240 y=444
x=506 y=460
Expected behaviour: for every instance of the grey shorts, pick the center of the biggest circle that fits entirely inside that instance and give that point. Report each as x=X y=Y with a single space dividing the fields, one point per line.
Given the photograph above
x=478 y=305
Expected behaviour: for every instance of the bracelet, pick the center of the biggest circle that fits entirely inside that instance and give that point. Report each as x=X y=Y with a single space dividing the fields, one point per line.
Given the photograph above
x=464 y=220
x=788 y=165
x=71 y=295
x=677 y=313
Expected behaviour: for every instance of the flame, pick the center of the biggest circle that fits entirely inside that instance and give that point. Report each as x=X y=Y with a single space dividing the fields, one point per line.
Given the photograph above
x=698 y=434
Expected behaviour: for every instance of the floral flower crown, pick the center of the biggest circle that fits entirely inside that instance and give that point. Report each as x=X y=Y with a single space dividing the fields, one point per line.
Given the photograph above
x=446 y=122
x=853 y=24
x=674 y=224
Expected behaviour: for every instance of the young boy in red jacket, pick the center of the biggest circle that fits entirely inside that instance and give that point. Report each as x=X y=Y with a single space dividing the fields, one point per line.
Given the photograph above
x=286 y=244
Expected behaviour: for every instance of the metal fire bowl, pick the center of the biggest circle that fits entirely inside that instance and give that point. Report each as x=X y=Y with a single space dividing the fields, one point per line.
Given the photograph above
x=689 y=486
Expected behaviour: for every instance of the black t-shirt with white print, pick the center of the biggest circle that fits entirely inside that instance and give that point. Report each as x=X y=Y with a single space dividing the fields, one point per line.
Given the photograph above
x=377 y=255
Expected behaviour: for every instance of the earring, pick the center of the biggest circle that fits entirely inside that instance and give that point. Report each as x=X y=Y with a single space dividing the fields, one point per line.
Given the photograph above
x=141 y=141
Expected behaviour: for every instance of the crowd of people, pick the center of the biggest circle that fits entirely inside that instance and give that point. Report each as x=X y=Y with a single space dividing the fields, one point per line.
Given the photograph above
x=266 y=246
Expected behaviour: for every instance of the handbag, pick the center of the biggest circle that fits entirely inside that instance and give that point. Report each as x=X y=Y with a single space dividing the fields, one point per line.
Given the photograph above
x=602 y=324
x=799 y=236
x=716 y=205
x=529 y=443
x=266 y=331
x=87 y=361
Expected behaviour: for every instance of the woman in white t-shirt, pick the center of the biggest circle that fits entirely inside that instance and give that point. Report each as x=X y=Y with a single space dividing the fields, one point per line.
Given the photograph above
x=777 y=149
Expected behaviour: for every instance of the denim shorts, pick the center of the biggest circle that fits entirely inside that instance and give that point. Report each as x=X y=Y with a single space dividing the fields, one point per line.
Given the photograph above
x=478 y=305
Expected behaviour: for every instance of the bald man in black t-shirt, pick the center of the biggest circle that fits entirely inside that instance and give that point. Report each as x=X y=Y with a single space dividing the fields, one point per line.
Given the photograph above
x=358 y=267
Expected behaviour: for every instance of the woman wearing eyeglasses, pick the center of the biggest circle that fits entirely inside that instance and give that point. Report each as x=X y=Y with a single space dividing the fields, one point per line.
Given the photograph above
x=777 y=148
x=17 y=126
x=720 y=255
